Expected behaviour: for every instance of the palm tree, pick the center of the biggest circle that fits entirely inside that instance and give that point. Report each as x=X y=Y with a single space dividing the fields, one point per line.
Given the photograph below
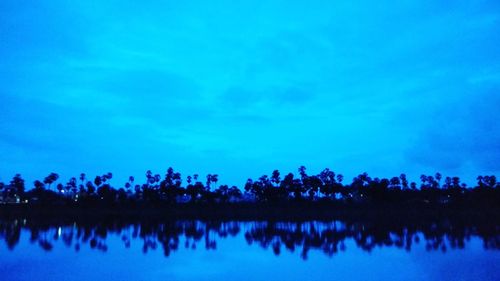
x=209 y=180
x=109 y=176
x=340 y=178
x=82 y=177
x=447 y=182
x=215 y=179
x=480 y=182
x=275 y=178
x=395 y=183
x=38 y=185
x=17 y=186
x=50 y=179
x=423 y=179
x=413 y=185
x=98 y=181
x=404 y=181
x=90 y=186
x=82 y=181
x=433 y=183
x=71 y=186
x=492 y=182
x=287 y=184
x=438 y=178
x=329 y=183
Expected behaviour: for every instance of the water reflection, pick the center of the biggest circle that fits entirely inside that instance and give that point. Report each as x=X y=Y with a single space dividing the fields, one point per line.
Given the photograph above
x=327 y=237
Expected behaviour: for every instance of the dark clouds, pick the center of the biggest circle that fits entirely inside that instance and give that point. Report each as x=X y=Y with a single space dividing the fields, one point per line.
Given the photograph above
x=244 y=88
x=462 y=133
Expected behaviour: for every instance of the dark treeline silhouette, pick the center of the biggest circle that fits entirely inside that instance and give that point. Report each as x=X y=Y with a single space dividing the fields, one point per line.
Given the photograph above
x=327 y=186
x=330 y=237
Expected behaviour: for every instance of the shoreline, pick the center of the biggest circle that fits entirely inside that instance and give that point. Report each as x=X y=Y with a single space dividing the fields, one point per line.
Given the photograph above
x=251 y=211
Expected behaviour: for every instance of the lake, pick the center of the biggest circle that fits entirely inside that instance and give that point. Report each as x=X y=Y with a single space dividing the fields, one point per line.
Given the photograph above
x=64 y=249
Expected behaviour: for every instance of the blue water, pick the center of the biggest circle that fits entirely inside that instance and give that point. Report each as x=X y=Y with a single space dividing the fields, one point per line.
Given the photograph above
x=243 y=251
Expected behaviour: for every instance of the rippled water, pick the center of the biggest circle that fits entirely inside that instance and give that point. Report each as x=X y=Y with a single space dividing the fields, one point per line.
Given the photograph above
x=196 y=250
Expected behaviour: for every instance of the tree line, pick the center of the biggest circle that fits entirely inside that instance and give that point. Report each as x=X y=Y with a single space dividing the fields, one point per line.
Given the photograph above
x=326 y=186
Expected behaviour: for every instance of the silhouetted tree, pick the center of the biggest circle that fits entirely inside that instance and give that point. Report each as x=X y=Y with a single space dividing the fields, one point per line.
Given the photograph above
x=234 y=192
x=71 y=186
x=222 y=193
x=404 y=181
x=438 y=178
x=211 y=179
x=17 y=186
x=90 y=186
x=39 y=185
x=60 y=187
x=98 y=181
x=325 y=186
x=50 y=179
x=480 y=182
x=395 y=183
x=413 y=185
x=275 y=178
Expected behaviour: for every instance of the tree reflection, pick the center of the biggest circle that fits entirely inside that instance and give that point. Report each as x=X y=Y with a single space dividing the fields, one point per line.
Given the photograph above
x=329 y=237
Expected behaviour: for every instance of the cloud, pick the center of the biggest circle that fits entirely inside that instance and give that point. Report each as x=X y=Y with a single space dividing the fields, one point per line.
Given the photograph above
x=152 y=85
x=241 y=97
x=360 y=86
x=40 y=31
x=462 y=133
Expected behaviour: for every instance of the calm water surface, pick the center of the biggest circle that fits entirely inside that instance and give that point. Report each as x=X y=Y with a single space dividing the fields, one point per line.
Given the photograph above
x=195 y=250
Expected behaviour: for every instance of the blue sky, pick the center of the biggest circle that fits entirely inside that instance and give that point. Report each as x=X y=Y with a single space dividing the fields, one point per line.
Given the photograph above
x=240 y=88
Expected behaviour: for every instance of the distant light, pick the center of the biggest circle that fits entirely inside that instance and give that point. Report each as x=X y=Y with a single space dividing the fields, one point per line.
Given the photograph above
x=59 y=231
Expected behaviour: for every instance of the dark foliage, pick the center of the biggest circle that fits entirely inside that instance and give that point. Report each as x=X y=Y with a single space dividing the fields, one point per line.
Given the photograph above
x=327 y=186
